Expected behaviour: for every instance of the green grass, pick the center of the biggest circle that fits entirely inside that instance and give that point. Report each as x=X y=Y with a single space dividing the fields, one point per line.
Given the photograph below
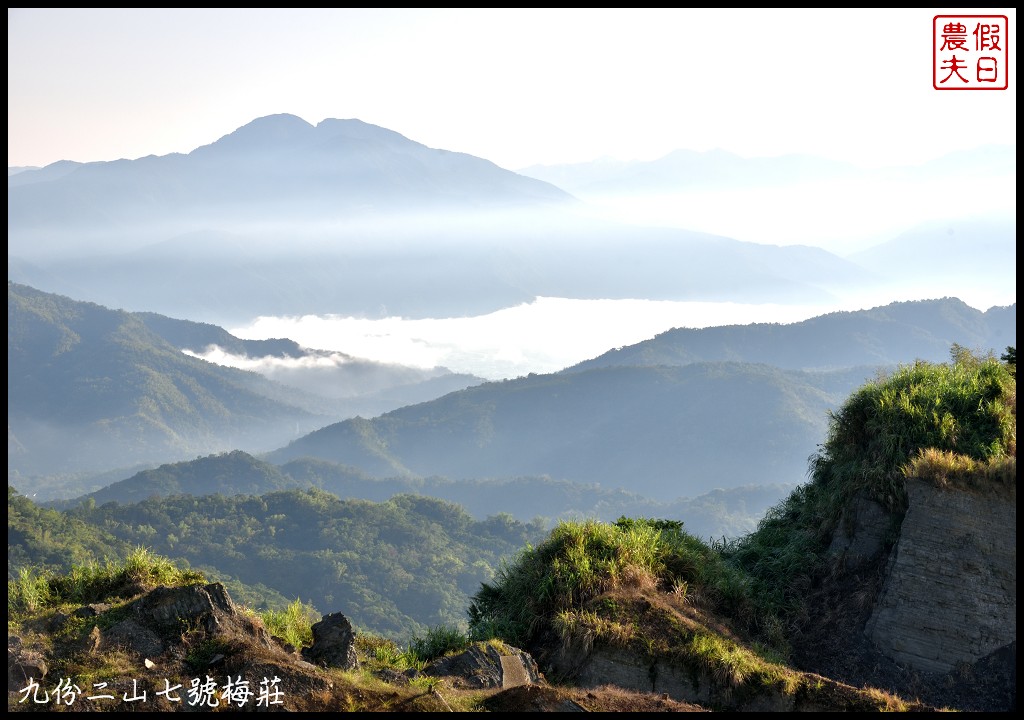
x=967 y=407
x=294 y=623
x=439 y=641
x=955 y=421
x=34 y=590
x=29 y=592
x=959 y=415
x=578 y=561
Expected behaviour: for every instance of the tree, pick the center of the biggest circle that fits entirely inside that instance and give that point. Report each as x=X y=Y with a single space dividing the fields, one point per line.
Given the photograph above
x=1010 y=358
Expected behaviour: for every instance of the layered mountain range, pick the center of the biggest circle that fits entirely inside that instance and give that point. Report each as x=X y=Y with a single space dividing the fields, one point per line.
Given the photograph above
x=114 y=389
x=263 y=478
x=283 y=217
x=651 y=423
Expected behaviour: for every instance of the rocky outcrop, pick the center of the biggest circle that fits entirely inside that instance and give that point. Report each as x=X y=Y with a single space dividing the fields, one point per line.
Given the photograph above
x=333 y=643
x=23 y=664
x=864 y=532
x=160 y=615
x=802 y=692
x=133 y=636
x=950 y=593
x=488 y=665
x=628 y=670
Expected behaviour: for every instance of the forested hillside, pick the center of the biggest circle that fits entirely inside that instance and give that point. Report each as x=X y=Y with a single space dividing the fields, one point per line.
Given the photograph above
x=717 y=514
x=395 y=567
x=109 y=392
x=660 y=432
x=773 y=620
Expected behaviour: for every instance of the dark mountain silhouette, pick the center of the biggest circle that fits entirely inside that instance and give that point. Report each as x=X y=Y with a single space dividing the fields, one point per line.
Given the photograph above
x=900 y=332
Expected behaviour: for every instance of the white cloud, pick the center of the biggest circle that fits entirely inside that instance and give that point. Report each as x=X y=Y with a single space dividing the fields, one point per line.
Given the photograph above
x=545 y=335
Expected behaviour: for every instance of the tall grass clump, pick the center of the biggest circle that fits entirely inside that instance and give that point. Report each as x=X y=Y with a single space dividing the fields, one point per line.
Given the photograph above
x=94 y=582
x=581 y=560
x=294 y=623
x=28 y=592
x=946 y=469
x=964 y=408
x=967 y=407
x=439 y=641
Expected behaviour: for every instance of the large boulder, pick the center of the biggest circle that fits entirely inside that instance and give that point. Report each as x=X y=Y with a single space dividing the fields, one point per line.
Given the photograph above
x=333 y=643
x=23 y=665
x=488 y=665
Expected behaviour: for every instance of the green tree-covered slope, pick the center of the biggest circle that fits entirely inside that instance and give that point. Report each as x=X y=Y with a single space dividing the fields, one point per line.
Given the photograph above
x=105 y=390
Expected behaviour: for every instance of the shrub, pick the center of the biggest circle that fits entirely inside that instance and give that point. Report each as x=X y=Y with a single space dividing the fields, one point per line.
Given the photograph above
x=439 y=641
x=577 y=562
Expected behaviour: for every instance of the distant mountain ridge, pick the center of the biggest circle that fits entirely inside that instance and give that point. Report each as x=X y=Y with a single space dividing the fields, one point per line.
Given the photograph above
x=282 y=217
x=712 y=515
x=896 y=333
x=686 y=169
x=114 y=389
x=658 y=418
x=661 y=418
x=188 y=335
x=948 y=250
x=892 y=221
x=695 y=170
x=660 y=432
x=273 y=167
x=109 y=392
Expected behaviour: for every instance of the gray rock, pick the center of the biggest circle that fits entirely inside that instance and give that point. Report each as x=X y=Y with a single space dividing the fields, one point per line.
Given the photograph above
x=488 y=666
x=92 y=610
x=333 y=643
x=23 y=665
x=863 y=533
x=132 y=636
x=950 y=595
x=165 y=604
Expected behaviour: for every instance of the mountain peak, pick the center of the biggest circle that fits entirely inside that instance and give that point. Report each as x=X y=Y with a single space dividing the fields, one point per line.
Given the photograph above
x=355 y=128
x=269 y=131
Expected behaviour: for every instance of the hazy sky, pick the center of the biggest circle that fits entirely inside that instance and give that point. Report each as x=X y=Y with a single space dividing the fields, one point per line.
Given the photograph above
x=518 y=87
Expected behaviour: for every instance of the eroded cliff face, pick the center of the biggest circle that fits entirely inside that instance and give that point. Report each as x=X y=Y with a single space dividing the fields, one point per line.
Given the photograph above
x=922 y=604
x=950 y=591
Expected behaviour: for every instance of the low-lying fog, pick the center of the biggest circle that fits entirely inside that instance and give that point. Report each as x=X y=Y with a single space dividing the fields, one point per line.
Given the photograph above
x=543 y=336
